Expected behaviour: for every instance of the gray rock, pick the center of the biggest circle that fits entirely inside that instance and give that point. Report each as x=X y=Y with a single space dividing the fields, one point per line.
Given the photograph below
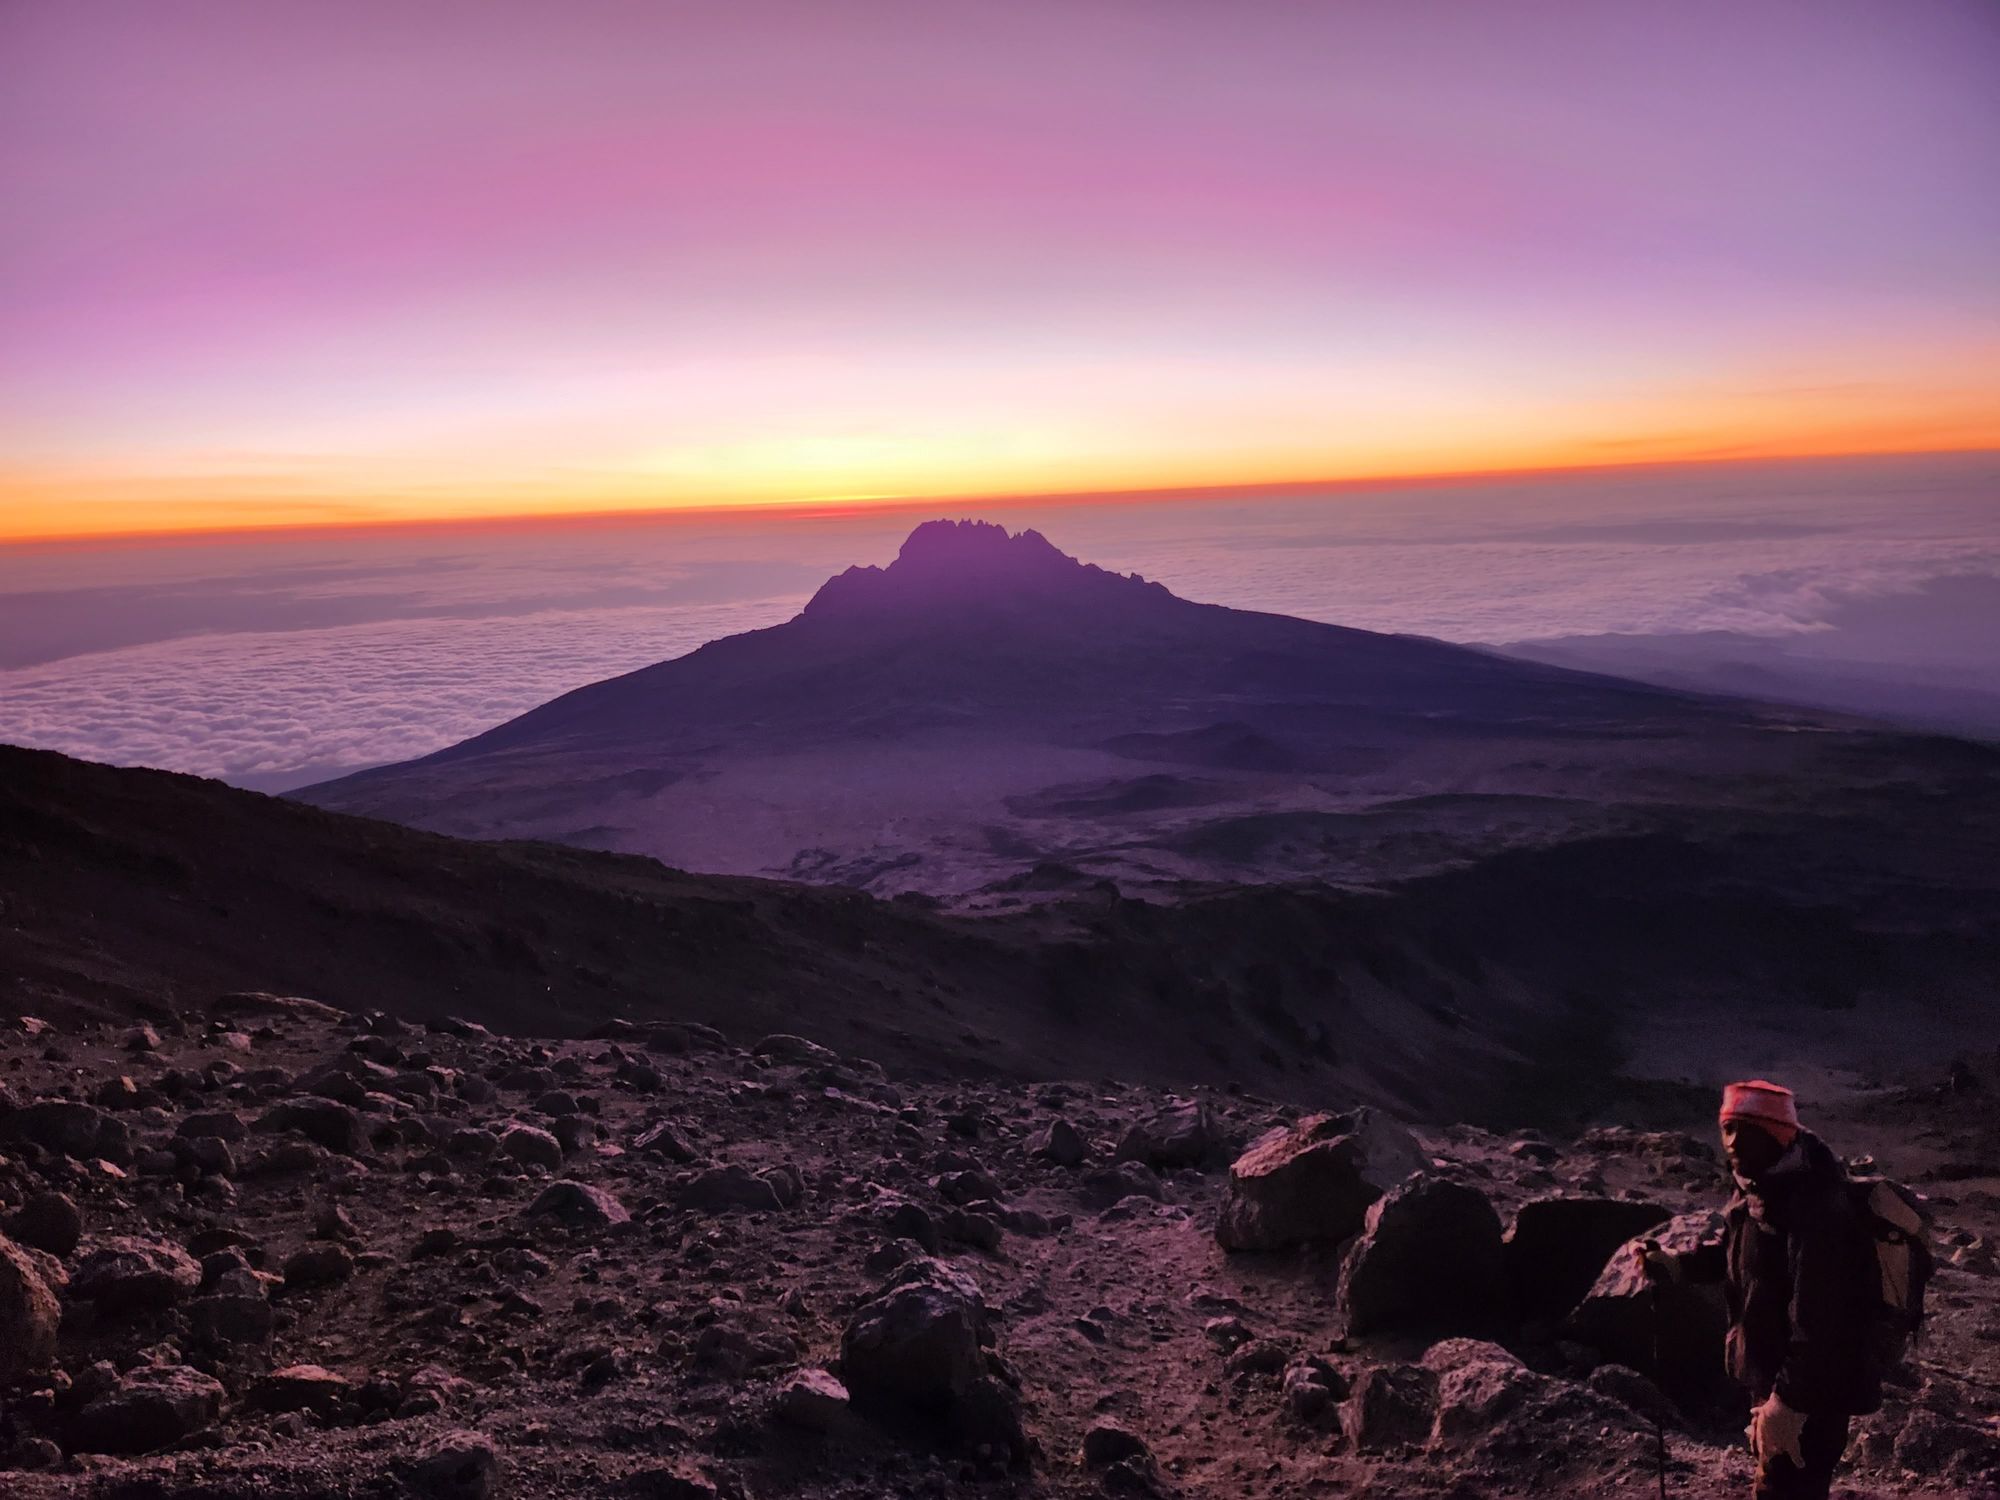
x=1129 y=1179
x=531 y=1147
x=1181 y=1136
x=811 y=1399
x=47 y=1221
x=325 y=1122
x=785 y=1048
x=461 y=1465
x=1107 y=1442
x=323 y=1263
x=726 y=1187
x=311 y=1388
x=1428 y=1258
x=227 y=1318
x=665 y=1139
x=221 y=1124
x=1556 y=1248
x=1623 y=1316
x=579 y=1205
x=1059 y=1142
x=1314 y=1180
x=912 y=1356
x=1390 y=1406
x=125 y=1274
x=969 y=1228
x=155 y=1406
x=29 y=1315
x=1634 y=1391
x=69 y=1128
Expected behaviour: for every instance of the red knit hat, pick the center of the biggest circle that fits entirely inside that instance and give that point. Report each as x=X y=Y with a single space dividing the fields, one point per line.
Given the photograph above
x=1768 y=1105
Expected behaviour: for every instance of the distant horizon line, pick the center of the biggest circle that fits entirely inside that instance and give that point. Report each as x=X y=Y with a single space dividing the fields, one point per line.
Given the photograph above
x=848 y=505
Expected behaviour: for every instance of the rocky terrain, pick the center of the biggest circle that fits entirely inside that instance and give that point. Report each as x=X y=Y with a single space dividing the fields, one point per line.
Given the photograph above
x=258 y=1247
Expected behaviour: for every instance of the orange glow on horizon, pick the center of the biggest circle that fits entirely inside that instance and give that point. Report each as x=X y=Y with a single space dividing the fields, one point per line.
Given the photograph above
x=39 y=521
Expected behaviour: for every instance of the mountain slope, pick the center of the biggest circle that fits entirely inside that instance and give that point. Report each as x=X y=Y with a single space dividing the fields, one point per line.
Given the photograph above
x=986 y=706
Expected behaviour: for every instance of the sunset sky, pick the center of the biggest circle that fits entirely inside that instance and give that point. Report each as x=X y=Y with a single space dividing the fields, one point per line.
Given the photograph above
x=270 y=264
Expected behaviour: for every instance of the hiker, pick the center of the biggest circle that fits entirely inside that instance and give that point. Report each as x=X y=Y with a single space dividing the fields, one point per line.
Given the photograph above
x=1798 y=1269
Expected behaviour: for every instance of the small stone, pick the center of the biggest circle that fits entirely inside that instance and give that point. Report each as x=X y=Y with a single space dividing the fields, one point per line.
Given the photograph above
x=531 y=1147
x=127 y=1274
x=47 y=1221
x=29 y=1315
x=311 y=1388
x=1059 y=1142
x=1109 y=1442
x=153 y=1407
x=578 y=1205
x=727 y=1187
x=813 y=1400
x=461 y=1465
x=326 y=1122
x=319 y=1264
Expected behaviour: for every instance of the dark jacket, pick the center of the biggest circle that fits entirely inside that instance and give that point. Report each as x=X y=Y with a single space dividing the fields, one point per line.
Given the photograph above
x=1799 y=1272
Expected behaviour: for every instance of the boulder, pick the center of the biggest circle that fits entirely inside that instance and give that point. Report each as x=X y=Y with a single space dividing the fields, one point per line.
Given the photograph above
x=325 y=1122
x=1314 y=1180
x=1311 y=1388
x=787 y=1181
x=1479 y=1385
x=222 y=1124
x=29 y=1315
x=902 y=1219
x=1623 y=1315
x=124 y=1274
x=1428 y=1258
x=1490 y=1403
x=460 y=1465
x=579 y=1205
x=727 y=1187
x=311 y=1388
x=1389 y=1406
x=1556 y=1247
x=322 y=1263
x=531 y=1147
x=155 y=1406
x=665 y=1139
x=1129 y=1179
x=70 y=1128
x=230 y=1318
x=1108 y=1442
x=785 y=1048
x=912 y=1356
x=274 y=1007
x=48 y=1221
x=811 y=1399
x=1058 y=1142
x=981 y=1231
x=1635 y=1392
x=1181 y=1136
x=740 y=1339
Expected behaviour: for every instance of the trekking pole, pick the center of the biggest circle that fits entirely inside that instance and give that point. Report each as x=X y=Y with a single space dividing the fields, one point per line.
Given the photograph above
x=1659 y=1375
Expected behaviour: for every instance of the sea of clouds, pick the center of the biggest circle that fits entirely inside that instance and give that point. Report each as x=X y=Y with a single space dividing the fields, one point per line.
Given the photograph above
x=285 y=659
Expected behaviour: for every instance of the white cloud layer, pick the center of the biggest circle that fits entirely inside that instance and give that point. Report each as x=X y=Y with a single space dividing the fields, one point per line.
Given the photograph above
x=290 y=660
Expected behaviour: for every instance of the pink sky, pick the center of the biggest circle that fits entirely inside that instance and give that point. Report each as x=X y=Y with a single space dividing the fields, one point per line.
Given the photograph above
x=379 y=259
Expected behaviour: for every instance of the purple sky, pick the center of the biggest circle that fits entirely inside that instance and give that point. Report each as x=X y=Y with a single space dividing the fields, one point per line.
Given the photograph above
x=276 y=262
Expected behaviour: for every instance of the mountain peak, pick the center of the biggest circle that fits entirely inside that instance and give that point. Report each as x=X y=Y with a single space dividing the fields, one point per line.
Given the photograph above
x=944 y=563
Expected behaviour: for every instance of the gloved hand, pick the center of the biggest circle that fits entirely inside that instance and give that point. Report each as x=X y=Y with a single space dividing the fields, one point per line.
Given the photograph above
x=1774 y=1429
x=1653 y=1263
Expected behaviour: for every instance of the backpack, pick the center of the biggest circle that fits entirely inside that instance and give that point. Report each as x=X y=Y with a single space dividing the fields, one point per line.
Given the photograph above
x=1899 y=1230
